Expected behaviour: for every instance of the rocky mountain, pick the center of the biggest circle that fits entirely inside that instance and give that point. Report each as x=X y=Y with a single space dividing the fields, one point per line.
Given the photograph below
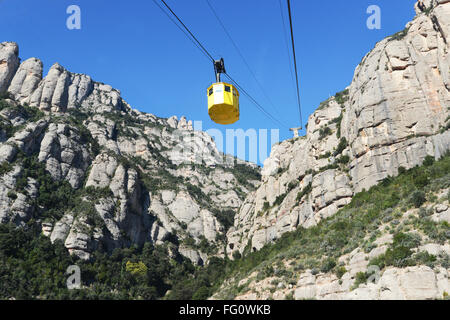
x=97 y=174
x=393 y=114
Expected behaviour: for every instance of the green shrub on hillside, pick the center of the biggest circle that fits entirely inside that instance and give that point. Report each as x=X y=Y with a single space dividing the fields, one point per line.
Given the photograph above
x=245 y=173
x=399 y=35
x=328 y=264
x=343 y=159
x=341 y=146
x=418 y=198
x=225 y=217
x=340 y=271
x=360 y=278
x=54 y=196
x=306 y=190
x=399 y=252
x=342 y=97
x=428 y=161
x=324 y=132
x=5 y=167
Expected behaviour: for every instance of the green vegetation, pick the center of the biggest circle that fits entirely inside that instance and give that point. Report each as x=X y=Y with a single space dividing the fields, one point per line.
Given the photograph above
x=319 y=247
x=292 y=185
x=31 y=114
x=279 y=199
x=5 y=95
x=324 y=132
x=324 y=104
x=7 y=128
x=341 y=146
x=136 y=268
x=5 y=167
x=328 y=167
x=338 y=122
x=306 y=190
x=340 y=271
x=25 y=112
x=360 y=278
x=225 y=217
x=12 y=195
x=76 y=119
x=399 y=35
x=399 y=252
x=195 y=192
x=343 y=159
x=429 y=9
x=418 y=198
x=31 y=267
x=328 y=264
x=428 y=161
x=93 y=193
x=342 y=97
x=325 y=155
x=161 y=180
x=55 y=197
x=245 y=173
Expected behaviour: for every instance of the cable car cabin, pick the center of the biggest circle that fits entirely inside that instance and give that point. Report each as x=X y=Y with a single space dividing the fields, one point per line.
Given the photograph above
x=223 y=103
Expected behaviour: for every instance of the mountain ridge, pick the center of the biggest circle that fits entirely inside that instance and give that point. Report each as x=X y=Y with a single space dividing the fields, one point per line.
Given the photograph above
x=86 y=134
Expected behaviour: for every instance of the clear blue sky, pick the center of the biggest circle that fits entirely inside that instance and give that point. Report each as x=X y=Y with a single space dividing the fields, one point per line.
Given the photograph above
x=132 y=46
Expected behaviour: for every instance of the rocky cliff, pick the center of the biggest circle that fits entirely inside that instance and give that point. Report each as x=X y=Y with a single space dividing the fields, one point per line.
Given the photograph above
x=96 y=174
x=394 y=113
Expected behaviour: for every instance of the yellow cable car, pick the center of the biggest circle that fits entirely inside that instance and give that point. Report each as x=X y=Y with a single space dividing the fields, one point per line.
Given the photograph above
x=223 y=99
x=223 y=103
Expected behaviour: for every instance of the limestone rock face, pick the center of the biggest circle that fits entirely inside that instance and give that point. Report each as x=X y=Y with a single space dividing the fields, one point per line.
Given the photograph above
x=26 y=79
x=58 y=91
x=9 y=62
x=131 y=177
x=410 y=283
x=61 y=90
x=64 y=154
x=393 y=114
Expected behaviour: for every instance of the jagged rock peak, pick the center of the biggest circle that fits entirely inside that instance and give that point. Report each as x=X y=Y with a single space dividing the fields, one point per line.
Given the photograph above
x=9 y=62
x=60 y=90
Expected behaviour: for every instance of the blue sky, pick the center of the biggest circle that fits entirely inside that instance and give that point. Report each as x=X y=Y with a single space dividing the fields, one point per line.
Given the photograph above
x=132 y=46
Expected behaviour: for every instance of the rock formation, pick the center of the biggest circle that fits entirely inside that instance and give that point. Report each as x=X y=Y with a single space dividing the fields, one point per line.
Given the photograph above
x=393 y=114
x=128 y=172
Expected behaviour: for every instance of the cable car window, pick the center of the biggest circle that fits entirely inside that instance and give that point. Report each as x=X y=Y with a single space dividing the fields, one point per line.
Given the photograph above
x=227 y=89
x=234 y=91
x=211 y=91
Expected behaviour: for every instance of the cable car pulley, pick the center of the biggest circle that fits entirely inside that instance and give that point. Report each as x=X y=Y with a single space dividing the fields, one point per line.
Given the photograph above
x=223 y=98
